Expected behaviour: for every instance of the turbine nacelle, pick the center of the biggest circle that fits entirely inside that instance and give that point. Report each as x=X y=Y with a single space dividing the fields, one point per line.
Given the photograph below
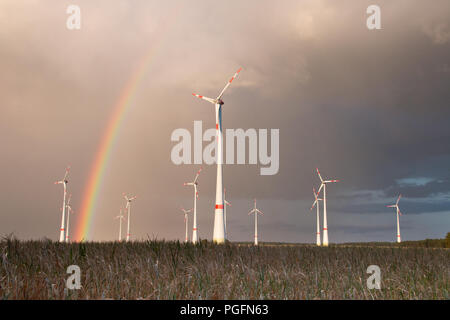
x=219 y=100
x=316 y=198
x=128 y=199
x=255 y=210
x=396 y=205
x=323 y=182
x=185 y=211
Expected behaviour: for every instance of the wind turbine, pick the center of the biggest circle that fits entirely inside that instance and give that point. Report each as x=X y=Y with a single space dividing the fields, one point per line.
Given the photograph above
x=128 y=207
x=120 y=217
x=316 y=204
x=186 y=212
x=255 y=211
x=398 y=220
x=64 y=182
x=69 y=212
x=195 y=184
x=219 y=227
x=325 y=225
x=225 y=204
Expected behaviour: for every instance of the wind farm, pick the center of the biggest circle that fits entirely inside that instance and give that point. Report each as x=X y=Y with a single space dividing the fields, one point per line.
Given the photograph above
x=203 y=252
x=182 y=123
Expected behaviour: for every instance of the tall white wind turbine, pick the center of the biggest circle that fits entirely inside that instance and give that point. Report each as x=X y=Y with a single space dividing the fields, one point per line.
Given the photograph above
x=398 y=220
x=120 y=217
x=325 y=225
x=128 y=207
x=69 y=213
x=316 y=204
x=194 y=184
x=219 y=226
x=225 y=204
x=64 y=182
x=255 y=211
x=186 y=218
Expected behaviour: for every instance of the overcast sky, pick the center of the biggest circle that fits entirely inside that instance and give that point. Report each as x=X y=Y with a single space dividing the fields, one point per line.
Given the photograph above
x=368 y=107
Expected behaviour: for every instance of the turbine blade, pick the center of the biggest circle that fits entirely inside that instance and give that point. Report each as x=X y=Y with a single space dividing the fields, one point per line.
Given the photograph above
x=227 y=203
x=330 y=181
x=67 y=173
x=315 y=194
x=321 y=186
x=198 y=173
x=229 y=83
x=257 y=210
x=318 y=172
x=204 y=98
x=398 y=199
x=314 y=204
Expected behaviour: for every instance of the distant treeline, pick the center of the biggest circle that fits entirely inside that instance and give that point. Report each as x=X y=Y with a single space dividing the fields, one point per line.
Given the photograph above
x=427 y=243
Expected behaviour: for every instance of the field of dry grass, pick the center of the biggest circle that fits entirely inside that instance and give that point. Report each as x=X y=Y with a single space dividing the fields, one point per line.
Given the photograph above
x=170 y=270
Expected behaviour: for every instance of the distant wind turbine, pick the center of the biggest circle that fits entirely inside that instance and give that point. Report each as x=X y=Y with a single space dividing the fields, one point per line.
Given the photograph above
x=128 y=207
x=194 y=184
x=69 y=212
x=186 y=212
x=219 y=227
x=255 y=211
x=325 y=225
x=120 y=217
x=316 y=204
x=225 y=204
x=398 y=220
x=64 y=182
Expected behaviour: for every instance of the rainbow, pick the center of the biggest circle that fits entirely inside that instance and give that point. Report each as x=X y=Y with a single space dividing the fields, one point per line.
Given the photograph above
x=109 y=137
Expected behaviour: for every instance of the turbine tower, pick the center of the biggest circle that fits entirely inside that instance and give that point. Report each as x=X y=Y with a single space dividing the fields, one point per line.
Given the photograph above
x=128 y=207
x=64 y=182
x=398 y=220
x=219 y=227
x=120 y=217
x=325 y=225
x=316 y=204
x=195 y=184
x=225 y=204
x=69 y=212
x=186 y=212
x=255 y=211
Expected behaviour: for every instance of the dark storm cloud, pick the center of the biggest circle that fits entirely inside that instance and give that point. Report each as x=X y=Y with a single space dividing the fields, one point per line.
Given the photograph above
x=366 y=107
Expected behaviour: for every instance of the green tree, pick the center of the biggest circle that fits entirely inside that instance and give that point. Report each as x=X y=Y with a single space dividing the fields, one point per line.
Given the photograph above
x=447 y=240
